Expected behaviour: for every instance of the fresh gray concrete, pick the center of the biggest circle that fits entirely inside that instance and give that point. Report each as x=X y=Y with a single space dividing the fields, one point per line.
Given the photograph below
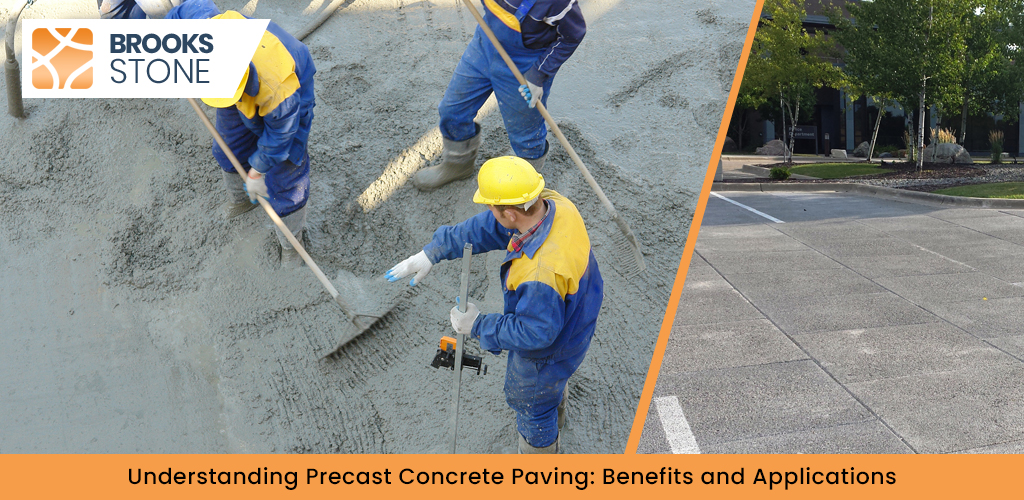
x=857 y=325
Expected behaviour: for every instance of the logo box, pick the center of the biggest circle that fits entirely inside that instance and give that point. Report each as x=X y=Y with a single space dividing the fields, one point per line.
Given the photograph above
x=144 y=58
x=61 y=58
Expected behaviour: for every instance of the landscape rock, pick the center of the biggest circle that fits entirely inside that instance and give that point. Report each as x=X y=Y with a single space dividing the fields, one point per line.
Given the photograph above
x=772 y=148
x=947 y=153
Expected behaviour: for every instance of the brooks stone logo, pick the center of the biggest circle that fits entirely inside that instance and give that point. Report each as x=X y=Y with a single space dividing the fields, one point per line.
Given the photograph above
x=62 y=58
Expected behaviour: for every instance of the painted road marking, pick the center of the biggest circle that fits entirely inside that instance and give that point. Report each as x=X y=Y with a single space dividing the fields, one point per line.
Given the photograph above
x=738 y=204
x=677 y=429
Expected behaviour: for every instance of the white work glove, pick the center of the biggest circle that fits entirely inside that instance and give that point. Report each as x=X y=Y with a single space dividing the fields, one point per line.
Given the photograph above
x=157 y=9
x=531 y=93
x=419 y=264
x=255 y=185
x=462 y=322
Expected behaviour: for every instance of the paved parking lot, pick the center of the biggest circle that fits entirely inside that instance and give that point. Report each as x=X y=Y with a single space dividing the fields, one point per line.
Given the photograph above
x=847 y=324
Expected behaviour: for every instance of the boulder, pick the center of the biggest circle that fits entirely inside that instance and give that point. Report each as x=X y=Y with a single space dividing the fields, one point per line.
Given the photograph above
x=838 y=153
x=862 y=150
x=772 y=148
x=729 y=146
x=947 y=153
x=885 y=155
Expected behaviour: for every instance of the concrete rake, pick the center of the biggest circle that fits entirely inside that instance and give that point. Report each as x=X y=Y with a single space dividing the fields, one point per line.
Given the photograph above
x=628 y=251
x=360 y=321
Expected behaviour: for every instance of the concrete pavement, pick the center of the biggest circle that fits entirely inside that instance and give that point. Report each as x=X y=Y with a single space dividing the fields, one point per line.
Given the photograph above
x=854 y=325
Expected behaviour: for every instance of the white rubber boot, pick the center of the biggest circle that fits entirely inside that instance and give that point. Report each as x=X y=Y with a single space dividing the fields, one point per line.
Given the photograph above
x=296 y=223
x=458 y=159
x=238 y=201
x=538 y=163
x=561 y=409
x=526 y=449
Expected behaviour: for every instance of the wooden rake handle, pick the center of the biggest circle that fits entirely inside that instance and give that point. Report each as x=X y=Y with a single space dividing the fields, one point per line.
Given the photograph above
x=270 y=210
x=544 y=112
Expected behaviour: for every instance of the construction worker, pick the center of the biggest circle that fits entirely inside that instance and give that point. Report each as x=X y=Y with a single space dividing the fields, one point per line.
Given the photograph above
x=539 y=36
x=136 y=9
x=552 y=288
x=266 y=124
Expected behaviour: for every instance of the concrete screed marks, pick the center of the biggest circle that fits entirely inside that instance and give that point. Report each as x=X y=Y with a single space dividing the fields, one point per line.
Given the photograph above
x=137 y=321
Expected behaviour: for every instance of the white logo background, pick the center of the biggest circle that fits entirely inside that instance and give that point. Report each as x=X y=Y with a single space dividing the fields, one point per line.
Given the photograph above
x=234 y=42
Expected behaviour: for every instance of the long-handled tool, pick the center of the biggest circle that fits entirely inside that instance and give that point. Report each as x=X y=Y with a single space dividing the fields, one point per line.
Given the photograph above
x=630 y=255
x=460 y=344
x=361 y=321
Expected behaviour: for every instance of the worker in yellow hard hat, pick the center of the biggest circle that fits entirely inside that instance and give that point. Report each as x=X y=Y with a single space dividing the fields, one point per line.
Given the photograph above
x=552 y=289
x=266 y=125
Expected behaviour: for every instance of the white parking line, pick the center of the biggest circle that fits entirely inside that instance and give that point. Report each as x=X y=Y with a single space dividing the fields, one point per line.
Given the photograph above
x=738 y=204
x=677 y=429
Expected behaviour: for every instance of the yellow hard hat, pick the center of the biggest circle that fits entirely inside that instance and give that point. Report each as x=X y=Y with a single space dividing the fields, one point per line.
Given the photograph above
x=507 y=180
x=223 y=102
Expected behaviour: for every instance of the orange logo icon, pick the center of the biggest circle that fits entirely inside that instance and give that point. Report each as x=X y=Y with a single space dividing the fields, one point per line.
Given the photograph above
x=61 y=58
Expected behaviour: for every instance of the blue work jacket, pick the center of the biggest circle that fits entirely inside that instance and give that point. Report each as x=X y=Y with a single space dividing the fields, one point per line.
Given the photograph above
x=552 y=287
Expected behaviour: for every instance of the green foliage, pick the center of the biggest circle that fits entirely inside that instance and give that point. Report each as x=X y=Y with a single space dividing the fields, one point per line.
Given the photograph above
x=964 y=55
x=991 y=72
x=893 y=44
x=778 y=173
x=787 y=63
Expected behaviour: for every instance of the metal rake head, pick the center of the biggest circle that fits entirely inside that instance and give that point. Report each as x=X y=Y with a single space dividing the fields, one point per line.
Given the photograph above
x=629 y=255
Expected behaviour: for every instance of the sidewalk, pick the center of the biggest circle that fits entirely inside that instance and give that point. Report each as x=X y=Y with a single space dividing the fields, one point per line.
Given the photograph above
x=852 y=325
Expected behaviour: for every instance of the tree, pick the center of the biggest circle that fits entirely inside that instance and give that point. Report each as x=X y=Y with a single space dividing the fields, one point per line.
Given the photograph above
x=787 y=62
x=907 y=50
x=746 y=100
x=991 y=81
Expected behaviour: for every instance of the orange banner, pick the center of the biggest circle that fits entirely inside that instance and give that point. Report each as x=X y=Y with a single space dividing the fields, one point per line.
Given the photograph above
x=495 y=476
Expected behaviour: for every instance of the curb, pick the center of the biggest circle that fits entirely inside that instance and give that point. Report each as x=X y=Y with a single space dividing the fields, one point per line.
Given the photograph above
x=940 y=200
x=797 y=159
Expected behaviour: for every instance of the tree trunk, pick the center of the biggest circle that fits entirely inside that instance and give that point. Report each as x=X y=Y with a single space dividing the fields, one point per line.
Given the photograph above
x=908 y=124
x=782 y=108
x=924 y=84
x=920 y=127
x=741 y=123
x=874 y=135
x=963 y=122
x=792 y=128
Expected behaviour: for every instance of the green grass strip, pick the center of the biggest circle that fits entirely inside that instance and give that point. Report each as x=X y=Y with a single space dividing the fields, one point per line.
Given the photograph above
x=1008 y=190
x=837 y=170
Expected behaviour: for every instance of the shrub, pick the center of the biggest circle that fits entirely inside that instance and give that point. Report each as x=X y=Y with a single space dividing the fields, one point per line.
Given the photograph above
x=779 y=174
x=995 y=139
x=943 y=136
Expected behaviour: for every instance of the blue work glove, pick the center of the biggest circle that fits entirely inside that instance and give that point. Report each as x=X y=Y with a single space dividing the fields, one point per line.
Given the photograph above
x=419 y=264
x=462 y=322
x=256 y=185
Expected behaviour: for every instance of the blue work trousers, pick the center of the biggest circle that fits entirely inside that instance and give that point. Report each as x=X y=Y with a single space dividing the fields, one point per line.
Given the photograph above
x=482 y=71
x=287 y=182
x=533 y=388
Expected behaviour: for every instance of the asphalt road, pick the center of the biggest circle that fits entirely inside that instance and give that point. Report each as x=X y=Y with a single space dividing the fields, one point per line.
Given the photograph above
x=848 y=324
